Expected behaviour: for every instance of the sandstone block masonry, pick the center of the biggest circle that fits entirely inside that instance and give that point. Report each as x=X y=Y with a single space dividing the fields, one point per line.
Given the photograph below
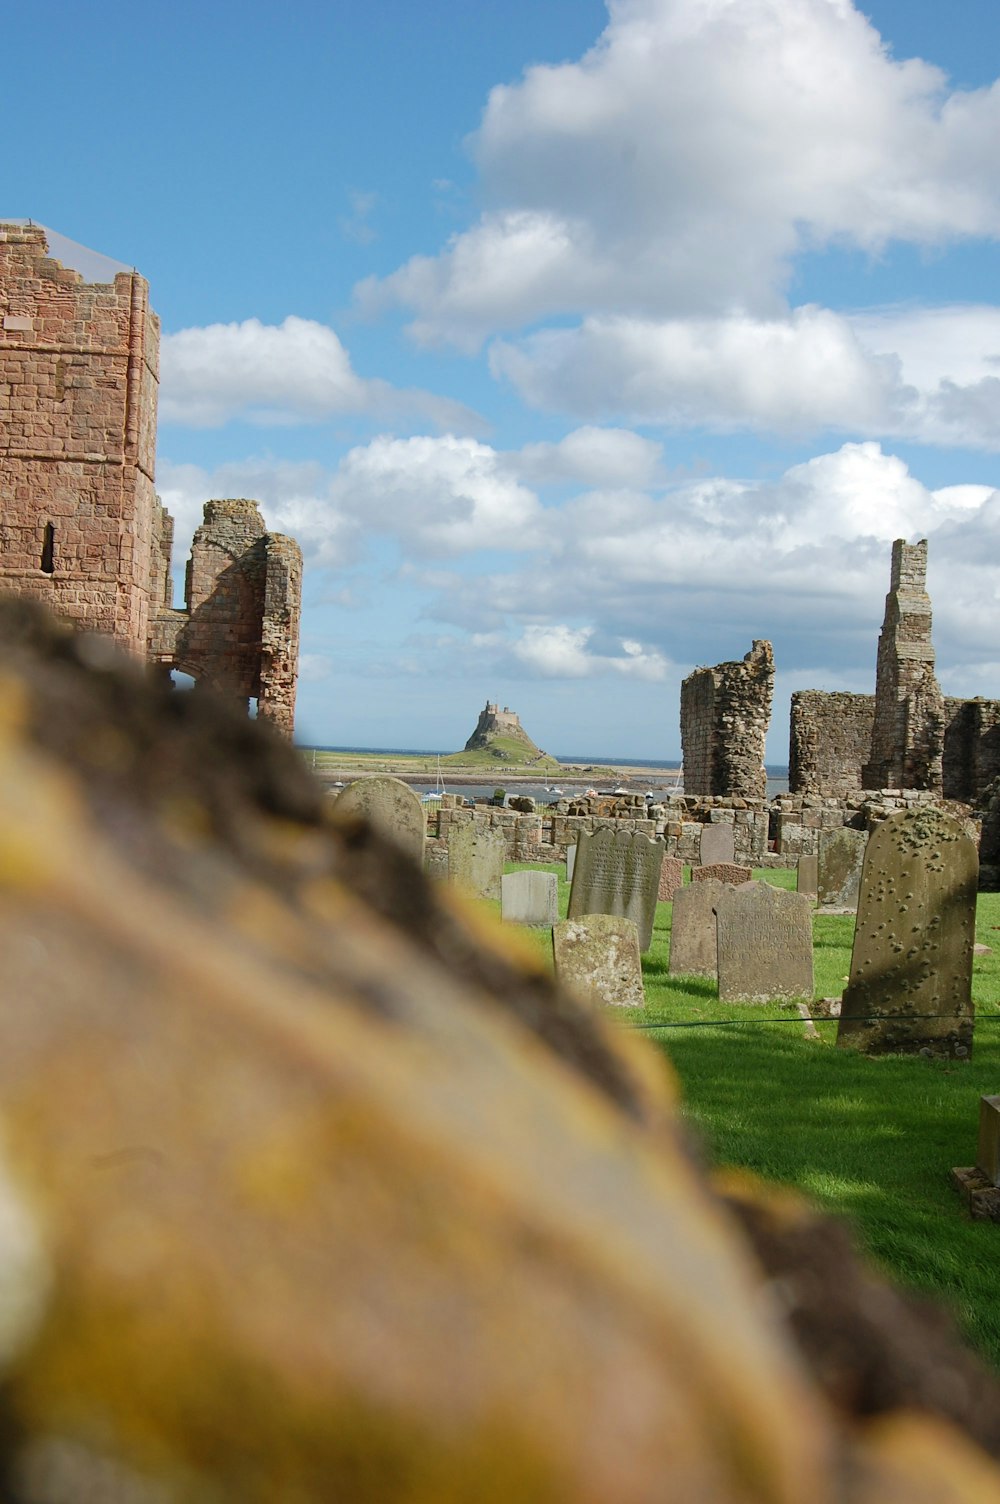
x=908 y=728
x=725 y=712
x=81 y=526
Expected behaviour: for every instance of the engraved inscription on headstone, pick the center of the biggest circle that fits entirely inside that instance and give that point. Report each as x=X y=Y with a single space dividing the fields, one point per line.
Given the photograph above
x=671 y=878
x=617 y=872
x=911 y=969
x=718 y=844
x=476 y=857
x=391 y=806
x=765 y=944
x=693 y=948
x=530 y=898
x=721 y=872
x=807 y=875
x=841 y=854
x=597 y=958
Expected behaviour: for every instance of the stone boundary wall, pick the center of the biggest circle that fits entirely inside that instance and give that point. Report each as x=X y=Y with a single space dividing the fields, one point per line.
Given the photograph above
x=971 y=759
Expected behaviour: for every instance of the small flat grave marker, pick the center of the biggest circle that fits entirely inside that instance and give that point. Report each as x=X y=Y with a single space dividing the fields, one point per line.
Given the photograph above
x=765 y=944
x=476 y=857
x=910 y=989
x=597 y=958
x=617 y=872
x=721 y=872
x=530 y=898
x=718 y=844
x=391 y=806
x=693 y=946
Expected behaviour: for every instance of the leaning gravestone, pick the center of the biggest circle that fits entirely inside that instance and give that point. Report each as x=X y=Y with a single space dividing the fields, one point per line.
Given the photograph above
x=391 y=806
x=721 y=872
x=807 y=875
x=476 y=857
x=597 y=957
x=671 y=878
x=617 y=872
x=530 y=898
x=910 y=990
x=765 y=944
x=570 y=862
x=841 y=855
x=718 y=844
x=693 y=947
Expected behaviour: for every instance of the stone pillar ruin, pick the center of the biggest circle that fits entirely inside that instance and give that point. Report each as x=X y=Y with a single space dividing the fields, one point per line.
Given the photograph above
x=725 y=713
x=908 y=728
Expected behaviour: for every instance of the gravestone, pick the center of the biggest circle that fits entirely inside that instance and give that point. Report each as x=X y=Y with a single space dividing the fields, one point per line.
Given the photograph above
x=671 y=878
x=979 y=1184
x=718 y=844
x=617 y=872
x=721 y=872
x=476 y=856
x=570 y=862
x=841 y=855
x=765 y=944
x=693 y=946
x=597 y=957
x=988 y=1150
x=910 y=990
x=391 y=806
x=530 y=898
x=807 y=875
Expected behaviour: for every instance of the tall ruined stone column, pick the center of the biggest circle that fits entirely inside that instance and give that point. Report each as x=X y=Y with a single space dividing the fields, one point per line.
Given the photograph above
x=725 y=713
x=908 y=731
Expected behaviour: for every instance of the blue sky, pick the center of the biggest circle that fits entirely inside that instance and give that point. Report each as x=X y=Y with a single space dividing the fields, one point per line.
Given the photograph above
x=577 y=344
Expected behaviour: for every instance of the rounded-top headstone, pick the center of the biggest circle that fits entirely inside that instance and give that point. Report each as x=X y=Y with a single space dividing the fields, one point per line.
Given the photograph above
x=392 y=807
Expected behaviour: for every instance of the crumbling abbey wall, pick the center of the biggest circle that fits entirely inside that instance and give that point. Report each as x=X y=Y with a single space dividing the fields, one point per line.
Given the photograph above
x=908 y=731
x=725 y=713
x=830 y=737
x=81 y=527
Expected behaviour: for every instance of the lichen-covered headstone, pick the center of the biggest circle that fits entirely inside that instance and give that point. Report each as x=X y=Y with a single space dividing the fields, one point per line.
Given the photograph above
x=718 y=844
x=617 y=872
x=391 y=806
x=476 y=856
x=765 y=944
x=807 y=875
x=693 y=946
x=671 y=878
x=841 y=855
x=597 y=957
x=910 y=990
x=530 y=898
x=721 y=872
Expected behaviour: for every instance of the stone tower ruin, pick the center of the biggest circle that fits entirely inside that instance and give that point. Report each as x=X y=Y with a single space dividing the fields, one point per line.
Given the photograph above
x=725 y=713
x=81 y=526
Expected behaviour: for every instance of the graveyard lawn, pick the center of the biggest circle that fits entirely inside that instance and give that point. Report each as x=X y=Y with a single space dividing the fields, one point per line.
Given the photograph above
x=869 y=1139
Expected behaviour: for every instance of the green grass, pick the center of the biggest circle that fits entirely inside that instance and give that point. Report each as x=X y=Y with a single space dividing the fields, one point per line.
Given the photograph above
x=870 y=1139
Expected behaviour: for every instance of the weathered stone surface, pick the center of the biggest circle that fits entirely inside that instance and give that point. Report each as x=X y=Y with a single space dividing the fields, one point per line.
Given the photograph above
x=671 y=878
x=693 y=943
x=840 y=858
x=830 y=737
x=765 y=944
x=476 y=859
x=807 y=875
x=617 y=872
x=392 y=806
x=718 y=844
x=988 y=1148
x=570 y=862
x=725 y=712
x=284 y=1127
x=722 y=872
x=908 y=726
x=911 y=968
x=597 y=958
x=530 y=898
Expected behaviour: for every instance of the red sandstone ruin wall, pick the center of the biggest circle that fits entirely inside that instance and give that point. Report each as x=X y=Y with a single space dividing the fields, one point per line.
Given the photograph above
x=78 y=382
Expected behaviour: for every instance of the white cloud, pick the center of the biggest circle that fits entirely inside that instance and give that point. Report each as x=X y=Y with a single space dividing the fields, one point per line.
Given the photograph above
x=558 y=651
x=591 y=457
x=294 y=372
x=682 y=163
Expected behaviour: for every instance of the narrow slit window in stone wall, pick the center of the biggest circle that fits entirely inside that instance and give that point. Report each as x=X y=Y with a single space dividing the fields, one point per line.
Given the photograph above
x=48 y=564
